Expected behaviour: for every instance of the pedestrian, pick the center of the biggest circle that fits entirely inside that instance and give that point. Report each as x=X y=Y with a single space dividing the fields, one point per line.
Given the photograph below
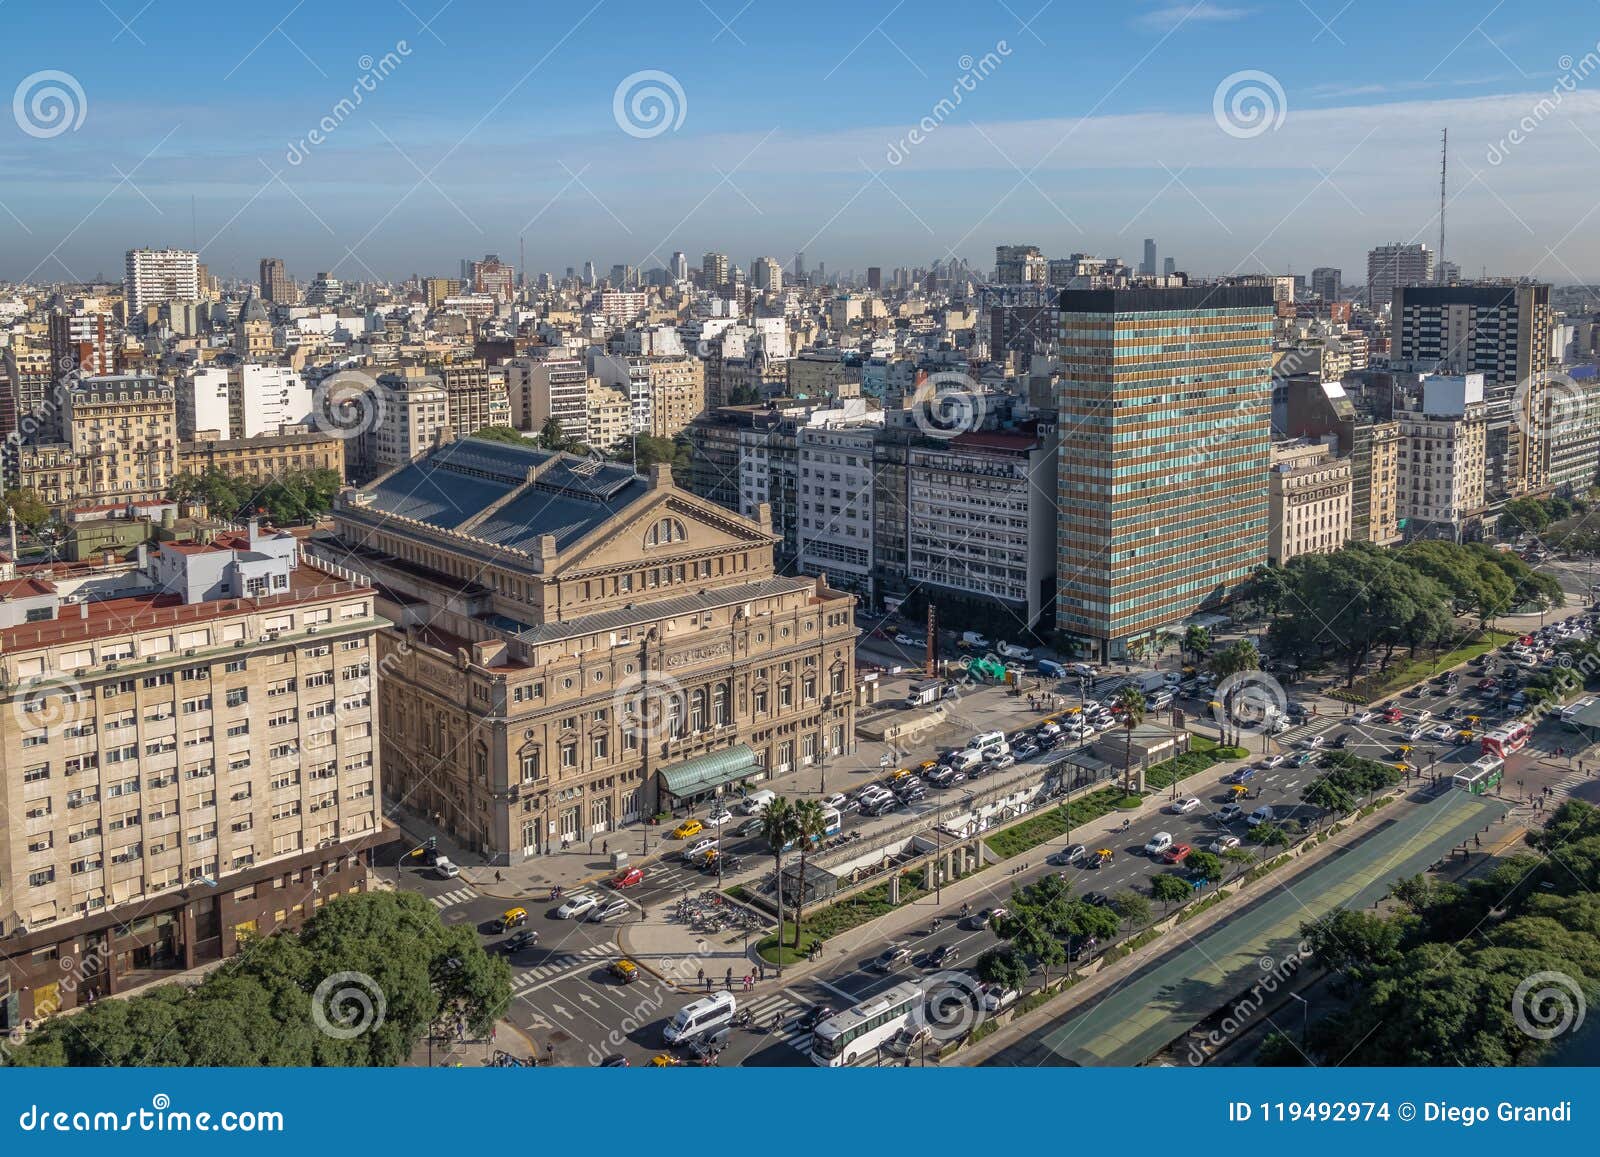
x=499 y=877
x=729 y=980
x=708 y=983
x=605 y=847
x=749 y=982
x=777 y=1021
x=701 y=976
x=1477 y=841
x=761 y=971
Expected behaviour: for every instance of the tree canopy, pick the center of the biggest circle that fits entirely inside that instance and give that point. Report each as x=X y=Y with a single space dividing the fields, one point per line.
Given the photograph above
x=361 y=983
x=294 y=497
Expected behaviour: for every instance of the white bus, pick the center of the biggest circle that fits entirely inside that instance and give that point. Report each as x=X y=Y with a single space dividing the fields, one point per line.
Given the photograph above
x=858 y=1032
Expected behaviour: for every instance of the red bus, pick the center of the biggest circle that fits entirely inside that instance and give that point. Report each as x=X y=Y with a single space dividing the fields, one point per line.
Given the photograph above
x=1502 y=741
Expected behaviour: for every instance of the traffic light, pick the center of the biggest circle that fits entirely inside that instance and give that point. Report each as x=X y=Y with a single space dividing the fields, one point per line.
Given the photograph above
x=433 y=843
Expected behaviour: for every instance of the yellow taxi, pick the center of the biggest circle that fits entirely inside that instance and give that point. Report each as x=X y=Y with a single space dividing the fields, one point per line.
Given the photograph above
x=899 y=774
x=624 y=970
x=1464 y=736
x=512 y=918
x=929 y=764
x=688 y=828
x=664 y=1061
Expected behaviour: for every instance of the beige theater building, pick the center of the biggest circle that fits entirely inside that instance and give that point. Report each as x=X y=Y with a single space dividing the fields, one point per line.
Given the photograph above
x=577 y=646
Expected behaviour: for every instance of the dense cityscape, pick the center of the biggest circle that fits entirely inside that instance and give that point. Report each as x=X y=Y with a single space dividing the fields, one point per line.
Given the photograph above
x=1018 y=657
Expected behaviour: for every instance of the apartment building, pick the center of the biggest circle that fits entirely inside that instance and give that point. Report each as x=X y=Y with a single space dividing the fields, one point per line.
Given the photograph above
x=541 y=388
x=1308 y=499
x=1163 y=405
x=413 y=409
x=1315 y=409
x=475 y=394
x=610 y=417
x=1443 y=455
x=82 y=342
x=1504 y=333
x=982 y=520
x=1393 y=265
x=265 y=456
x=189 y=761
x=577 y=646
x=835 y=504
x=274 y=282
x=120 y=443
x=156 y=277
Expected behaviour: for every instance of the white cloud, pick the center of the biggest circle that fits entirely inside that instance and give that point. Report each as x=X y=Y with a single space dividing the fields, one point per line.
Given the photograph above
x=1170 y=17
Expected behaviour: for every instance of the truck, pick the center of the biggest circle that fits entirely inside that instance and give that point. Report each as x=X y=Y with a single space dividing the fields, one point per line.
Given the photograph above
x=1148 y=682
x=926 y=692
x=972 y=641
x=1015 y=651
x=1050 y=669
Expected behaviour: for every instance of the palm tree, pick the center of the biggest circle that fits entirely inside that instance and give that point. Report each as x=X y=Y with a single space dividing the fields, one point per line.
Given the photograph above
x=1131 y=700
x=552 y=435
x=810 y=824
x=779 y=828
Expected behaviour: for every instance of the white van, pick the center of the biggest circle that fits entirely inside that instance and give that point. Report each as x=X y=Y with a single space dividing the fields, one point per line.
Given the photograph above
x=986 y=739
x=756 y=800
x=966 y=760
x=708 y=1015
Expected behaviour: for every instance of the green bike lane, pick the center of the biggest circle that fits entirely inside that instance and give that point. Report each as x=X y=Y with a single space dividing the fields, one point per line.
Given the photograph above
x=1187 y=984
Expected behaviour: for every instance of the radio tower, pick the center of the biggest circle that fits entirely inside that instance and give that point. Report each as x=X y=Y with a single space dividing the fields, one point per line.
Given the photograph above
x=1444 y=164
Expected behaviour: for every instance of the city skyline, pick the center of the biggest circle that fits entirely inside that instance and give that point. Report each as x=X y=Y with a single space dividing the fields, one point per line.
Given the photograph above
x=915 y=139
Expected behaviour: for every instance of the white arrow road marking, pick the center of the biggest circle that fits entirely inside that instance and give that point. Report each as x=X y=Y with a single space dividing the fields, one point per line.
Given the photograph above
x=589 y=1000
x=561 y=1010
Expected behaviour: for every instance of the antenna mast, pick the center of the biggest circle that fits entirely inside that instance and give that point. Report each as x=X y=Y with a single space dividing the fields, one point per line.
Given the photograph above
x=1444 y=164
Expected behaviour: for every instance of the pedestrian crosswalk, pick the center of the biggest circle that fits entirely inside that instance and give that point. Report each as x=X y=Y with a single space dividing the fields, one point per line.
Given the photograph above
x=450 y=899
x=557 y=963
x=779 y=1008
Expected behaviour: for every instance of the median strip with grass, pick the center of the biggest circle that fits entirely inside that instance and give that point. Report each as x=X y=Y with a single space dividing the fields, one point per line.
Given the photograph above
x=1409 y=671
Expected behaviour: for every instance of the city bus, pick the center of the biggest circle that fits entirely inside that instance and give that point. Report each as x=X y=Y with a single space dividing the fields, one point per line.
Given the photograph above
x=1502 y=741
x=859 y=1032
x=1482 y=777
x=832 y=821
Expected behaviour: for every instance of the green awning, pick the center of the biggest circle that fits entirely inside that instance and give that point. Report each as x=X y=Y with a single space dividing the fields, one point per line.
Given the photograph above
x=701 y=774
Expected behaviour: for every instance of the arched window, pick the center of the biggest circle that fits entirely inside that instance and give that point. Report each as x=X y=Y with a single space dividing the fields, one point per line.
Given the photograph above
x=719 y=705
x=664 y=532
x=697 y=710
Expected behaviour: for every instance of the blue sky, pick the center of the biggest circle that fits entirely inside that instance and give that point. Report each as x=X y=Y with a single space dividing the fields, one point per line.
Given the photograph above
x=1080 y=127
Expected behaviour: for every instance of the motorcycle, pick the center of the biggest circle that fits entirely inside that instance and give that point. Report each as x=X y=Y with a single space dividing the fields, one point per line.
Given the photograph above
x=743 y=1019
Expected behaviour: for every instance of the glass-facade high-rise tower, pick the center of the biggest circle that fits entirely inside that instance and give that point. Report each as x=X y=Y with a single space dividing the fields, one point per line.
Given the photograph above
x=1164 y=401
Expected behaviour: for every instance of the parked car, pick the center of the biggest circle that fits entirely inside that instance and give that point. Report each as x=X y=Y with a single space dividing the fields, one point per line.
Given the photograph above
x=906 y=640
x=446 y=869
